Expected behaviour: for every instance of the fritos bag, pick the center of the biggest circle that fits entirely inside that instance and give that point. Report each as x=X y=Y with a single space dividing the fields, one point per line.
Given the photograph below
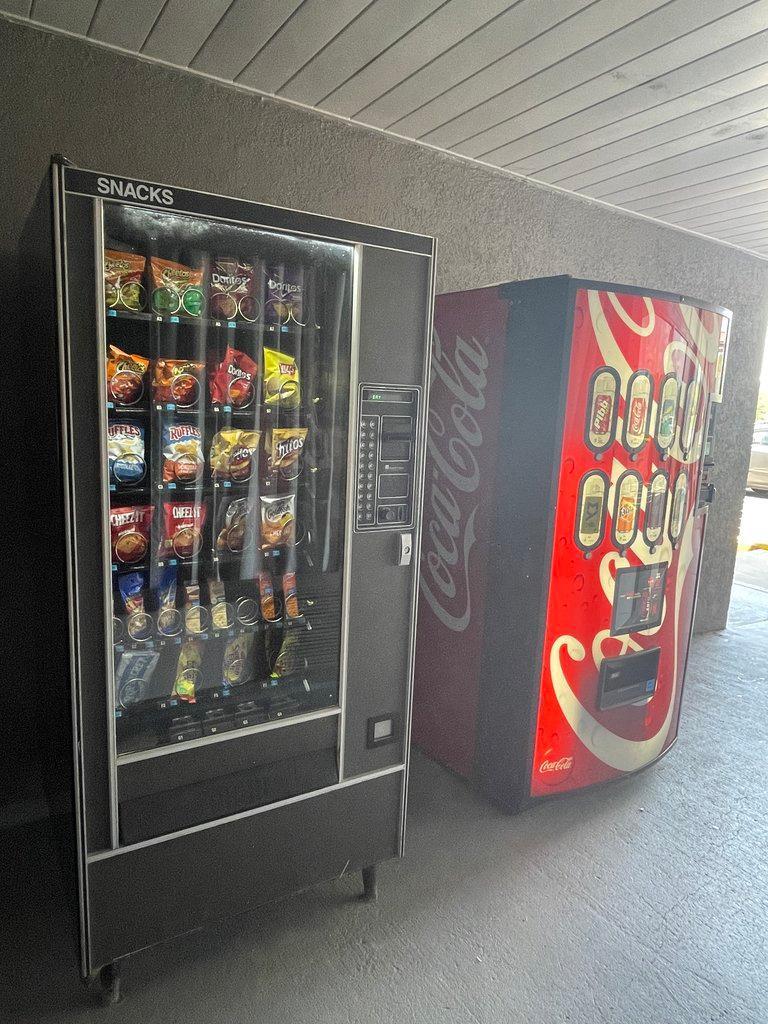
x=176 y=288
x=284 y=445
x=126 y=376
x=233 y=382
x=123 y=273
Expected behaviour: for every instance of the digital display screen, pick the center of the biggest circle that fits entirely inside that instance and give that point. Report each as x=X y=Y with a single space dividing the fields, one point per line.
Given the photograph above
x=638 y=598
x=372 y=395
x=393 y=485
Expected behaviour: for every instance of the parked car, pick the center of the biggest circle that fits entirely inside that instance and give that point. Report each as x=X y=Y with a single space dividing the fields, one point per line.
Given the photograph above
x=757 y=478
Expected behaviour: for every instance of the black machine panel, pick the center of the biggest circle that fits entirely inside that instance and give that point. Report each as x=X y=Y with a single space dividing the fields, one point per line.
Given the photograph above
x=628 y=678
x=386 y=457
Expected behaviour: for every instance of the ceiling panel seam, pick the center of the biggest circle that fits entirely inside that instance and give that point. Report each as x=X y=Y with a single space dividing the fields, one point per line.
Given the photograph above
x=683 y=153
x=152 y=26
x=439 y=56
x=603 y=71
x=643 y=110
x=480 y=71
x=362 y=66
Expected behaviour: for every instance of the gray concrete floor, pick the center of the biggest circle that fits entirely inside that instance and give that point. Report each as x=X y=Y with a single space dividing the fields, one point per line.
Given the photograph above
x=644 y=902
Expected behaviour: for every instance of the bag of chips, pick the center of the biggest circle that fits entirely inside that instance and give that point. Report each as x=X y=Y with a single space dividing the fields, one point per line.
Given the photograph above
x=178 y=381
x=290 y=595
x=267 y=601
x=176 y=288
x=188 y=674
x=233 y=382
x=168 y=616
x=182 y=453
x=234 y=454
x=233 y=290
x=278 y=521
x=125 y=449
x=290 y=658
x=131 y=586
x=123 y=273
x=235 y=528
x=196 y=617
x=183 y=523
x=126 y=376
x=133 y=676
x=237 y=666
x=281 y=379
x=222 y=612
x=130 y=530
x=284 y=445
x=284 y=299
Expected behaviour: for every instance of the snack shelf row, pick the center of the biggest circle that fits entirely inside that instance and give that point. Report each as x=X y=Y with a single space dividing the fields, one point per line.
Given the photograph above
x=209 y=410
x=176 y=722
x=224 y=325
x=159 y=640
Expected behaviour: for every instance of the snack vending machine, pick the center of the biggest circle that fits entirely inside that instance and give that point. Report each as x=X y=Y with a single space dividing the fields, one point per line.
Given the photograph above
x=243 y=402
x=564 y=516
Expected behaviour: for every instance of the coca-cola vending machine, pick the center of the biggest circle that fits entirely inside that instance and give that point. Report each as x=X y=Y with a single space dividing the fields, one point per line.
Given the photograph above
x=567 y=486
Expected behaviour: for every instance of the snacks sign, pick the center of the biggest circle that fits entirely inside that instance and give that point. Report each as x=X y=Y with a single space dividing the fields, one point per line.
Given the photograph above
x=134 y=190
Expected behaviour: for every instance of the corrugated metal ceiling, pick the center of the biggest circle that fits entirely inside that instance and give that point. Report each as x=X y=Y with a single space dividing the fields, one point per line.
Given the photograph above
x=658 y=106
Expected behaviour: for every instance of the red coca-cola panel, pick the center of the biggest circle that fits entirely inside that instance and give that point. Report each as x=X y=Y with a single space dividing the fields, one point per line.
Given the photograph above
x=469 y=343
x=664 y=355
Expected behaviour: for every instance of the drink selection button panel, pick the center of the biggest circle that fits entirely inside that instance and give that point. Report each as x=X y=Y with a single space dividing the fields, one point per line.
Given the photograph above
x=386 y=456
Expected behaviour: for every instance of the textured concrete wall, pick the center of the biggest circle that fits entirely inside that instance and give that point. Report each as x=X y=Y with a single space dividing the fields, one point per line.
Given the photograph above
x=111 y=112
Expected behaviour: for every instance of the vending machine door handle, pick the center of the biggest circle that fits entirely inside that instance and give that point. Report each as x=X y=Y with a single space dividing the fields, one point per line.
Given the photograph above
x=405 y=548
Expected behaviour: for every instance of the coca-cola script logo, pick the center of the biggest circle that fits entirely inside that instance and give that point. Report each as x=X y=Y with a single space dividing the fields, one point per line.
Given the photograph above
x=458 y=396
x=562 y=764
x=555 y=770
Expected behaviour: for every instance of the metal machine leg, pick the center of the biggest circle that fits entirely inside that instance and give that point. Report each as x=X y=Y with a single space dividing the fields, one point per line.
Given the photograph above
x=370 y=891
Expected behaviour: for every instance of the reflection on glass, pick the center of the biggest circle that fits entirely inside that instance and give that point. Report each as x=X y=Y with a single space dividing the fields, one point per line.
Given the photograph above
x=690 y=413
x=228 y=354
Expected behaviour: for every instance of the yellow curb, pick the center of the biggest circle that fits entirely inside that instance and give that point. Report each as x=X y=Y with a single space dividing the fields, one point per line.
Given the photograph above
x=758 y=547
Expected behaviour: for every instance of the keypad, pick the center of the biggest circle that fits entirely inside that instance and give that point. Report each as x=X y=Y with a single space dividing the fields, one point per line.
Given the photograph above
x=366 y=470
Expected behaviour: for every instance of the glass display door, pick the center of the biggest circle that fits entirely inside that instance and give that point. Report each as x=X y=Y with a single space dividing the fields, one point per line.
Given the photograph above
x=226 y=371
